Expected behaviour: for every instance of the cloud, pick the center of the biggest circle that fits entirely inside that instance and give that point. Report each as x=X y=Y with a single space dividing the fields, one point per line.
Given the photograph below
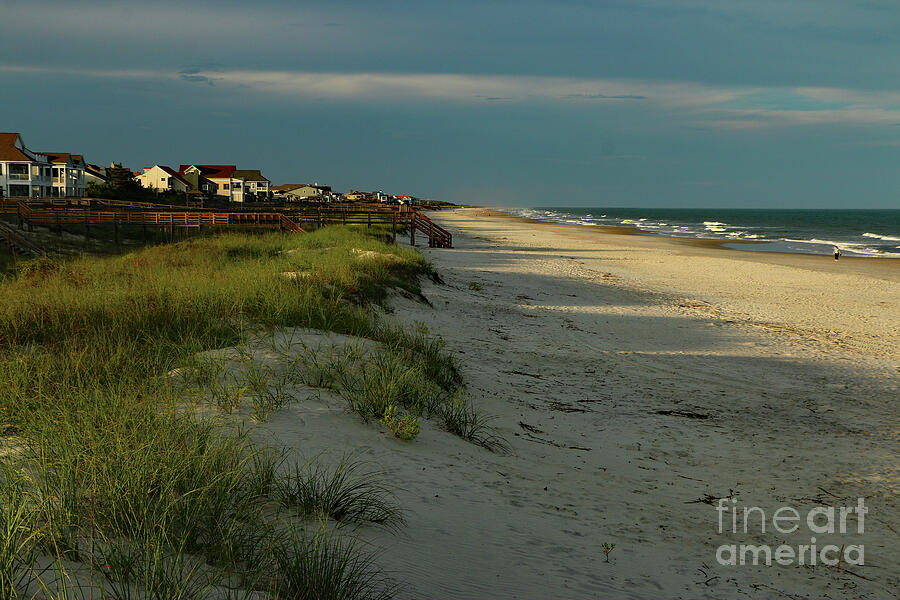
x=605 y=97
x=194 y=74
x=202 y=68
x=688 y=104
x=197 y=79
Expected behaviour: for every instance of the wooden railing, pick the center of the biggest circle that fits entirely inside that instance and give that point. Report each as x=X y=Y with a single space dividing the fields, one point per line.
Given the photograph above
x=438 y=237
x=18 y=244
x=62 y=212
x=155 y=218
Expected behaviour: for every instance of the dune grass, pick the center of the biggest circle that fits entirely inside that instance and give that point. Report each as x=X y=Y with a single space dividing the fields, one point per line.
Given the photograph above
x=121 y=489
x=349 y=493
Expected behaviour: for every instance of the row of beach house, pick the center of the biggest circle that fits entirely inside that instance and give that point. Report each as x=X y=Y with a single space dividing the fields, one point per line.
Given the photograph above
x=25 y=173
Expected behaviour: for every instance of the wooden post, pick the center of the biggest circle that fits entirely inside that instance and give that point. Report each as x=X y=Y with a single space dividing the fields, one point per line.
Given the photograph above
x=343 y=216
x=393 y=228
x=368 y=219
x=87 y=226
x=412 y=229
x=116 y=228
x=430 y=234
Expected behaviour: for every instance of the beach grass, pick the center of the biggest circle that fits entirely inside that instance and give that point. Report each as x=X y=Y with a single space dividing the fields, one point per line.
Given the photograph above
x=105 y=473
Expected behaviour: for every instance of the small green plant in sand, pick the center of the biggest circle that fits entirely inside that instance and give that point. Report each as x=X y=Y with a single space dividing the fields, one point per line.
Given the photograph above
x=607 y=549
x=268 y=390
x=348 y=493
x=405 y=427
x=325 y=567
x=474 y=285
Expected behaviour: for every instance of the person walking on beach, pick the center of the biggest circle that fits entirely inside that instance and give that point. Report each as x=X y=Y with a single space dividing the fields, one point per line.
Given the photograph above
x=837 y=253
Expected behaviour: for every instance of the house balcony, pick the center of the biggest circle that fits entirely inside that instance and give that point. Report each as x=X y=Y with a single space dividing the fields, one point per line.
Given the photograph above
x=19 y=176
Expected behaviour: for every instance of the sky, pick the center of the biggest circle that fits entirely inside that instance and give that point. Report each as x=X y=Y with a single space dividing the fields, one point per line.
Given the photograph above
x=633 y=103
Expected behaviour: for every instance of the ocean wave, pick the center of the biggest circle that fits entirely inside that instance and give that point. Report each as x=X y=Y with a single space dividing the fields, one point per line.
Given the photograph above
x=826 y=242
x=887 y=238
x=792 y=237
x=849 y=247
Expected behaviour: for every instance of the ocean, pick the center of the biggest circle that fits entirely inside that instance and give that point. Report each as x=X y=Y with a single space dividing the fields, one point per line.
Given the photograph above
x=874 y=233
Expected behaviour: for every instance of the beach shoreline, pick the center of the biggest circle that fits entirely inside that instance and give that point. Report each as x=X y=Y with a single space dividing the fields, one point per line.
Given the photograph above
x=639 y=384
x=815 y=232
x=888 y=267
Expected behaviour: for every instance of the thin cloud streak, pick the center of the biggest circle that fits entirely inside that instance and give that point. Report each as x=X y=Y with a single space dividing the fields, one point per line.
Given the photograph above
x=703 y=105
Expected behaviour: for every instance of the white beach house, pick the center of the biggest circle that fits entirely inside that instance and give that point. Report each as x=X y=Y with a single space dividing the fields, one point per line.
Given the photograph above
x=162 y=178
x=255 y=185
x=23 y=173
x=69 y=179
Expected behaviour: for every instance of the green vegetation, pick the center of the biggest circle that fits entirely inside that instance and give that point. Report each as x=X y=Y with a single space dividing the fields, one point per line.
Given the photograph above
x=107 y=473
x=348 y=494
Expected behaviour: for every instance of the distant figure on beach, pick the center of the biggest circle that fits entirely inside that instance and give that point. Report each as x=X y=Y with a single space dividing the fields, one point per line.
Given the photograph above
x=837 y=253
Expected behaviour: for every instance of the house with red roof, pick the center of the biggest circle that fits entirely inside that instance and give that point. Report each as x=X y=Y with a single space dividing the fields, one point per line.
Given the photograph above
x=23 y=173
x=163 y=178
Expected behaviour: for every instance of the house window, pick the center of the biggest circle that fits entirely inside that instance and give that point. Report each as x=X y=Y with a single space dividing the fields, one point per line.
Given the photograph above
x=225 y=186
x=237 y=185
x=36 y=171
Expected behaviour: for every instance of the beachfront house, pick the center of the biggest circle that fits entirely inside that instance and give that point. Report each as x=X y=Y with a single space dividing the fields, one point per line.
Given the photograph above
x=68 y=172
x=356 y=196
x=23 y=173
x=94 y=174
x=281 y=190
x=256 y=187
x=222 y=177
x=200 y=185
x=162 y=178
x=303 y=191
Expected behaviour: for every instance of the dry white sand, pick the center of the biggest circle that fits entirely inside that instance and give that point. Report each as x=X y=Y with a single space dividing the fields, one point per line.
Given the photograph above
x=632 y=377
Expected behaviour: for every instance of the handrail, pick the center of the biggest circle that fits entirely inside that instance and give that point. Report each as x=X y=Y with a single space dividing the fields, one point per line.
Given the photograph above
x=289 y=225
x=286 y=220
x=437 y=235
x=16 y=243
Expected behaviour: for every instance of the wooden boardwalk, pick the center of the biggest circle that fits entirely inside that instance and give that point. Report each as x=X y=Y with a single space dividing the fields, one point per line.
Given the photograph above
x=114 y=213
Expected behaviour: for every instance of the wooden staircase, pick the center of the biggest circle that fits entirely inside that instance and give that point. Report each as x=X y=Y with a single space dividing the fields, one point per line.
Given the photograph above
x=17 y=244
x=438 y=237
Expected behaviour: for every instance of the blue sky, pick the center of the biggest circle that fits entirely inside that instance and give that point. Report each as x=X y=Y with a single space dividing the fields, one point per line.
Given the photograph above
x=663 y=103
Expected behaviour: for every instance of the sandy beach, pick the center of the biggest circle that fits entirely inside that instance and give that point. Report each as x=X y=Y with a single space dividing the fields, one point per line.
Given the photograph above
x=638 y=381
